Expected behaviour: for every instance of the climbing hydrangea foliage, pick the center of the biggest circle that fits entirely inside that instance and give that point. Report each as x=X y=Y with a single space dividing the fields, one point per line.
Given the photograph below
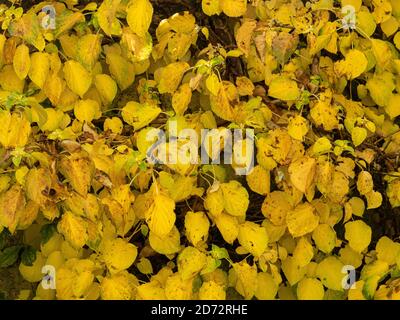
x=276 y=122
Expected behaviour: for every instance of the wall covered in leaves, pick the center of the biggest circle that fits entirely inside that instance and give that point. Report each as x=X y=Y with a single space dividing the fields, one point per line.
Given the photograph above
x=86 y=214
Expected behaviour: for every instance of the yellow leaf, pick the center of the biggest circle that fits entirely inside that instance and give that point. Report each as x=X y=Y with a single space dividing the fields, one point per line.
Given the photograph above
x=310 y=289
x=139 y=115
x=139 y=15
x=382 y=11
x=245 y=86
x=150 y=291
x=183 y=22
x=121 y=70
x=177 y=288
x=87 y=110
x=14 y=130
x=77 y=77
x=302 y=220
x=33 y=273
x=324 y=237
x=374 y=199
x=138 y=49
x=106 y=86
x=275 y=207
x=358 y=233
x=303 y=252
x=213 y=84
x=190 y=262
x=365 y=183
x=12 y=204
x=211 y=7
x=325 y=115
x=236 y=198
x=329 y=271
x=28 y=28
x=390 y=26
x=37 y=183
x=211 y=290
x=380 y=88
x=244 y=35
x=253 y=238
x=39 y=69
x=221 y=103
x=387 y=250
x=20 y=175
x=106 y=15
x=214 y=202
x=274 y=232
x=74 y=229
x=259 y=180
x=196 y=227
x=170 y=76
x=322 y=145
x=357 y=206
x=181 y=99
x=356 y=4
x=166 y=245
x=113 y=124
x=284 y=89
x=160 y=217
x=350 y=257
x=179 y=45
x=9 y=80
x=297 y=127
x=358 y=135
x=396 y=40
x=144 y=266
x=22 y=61
x=293 y=272
x=82 y=283
x=392 y=108
x=53 y=88
x=2 y=43
x=88 y=50
x=228 y=226
x=302 y=172
x=246 y=283
x=79 y=169
x=118 y=254
x=354 y=65
x=267 y=288
x=382 y=53
x=365 y=23
x=120 y=286
x=233 y=8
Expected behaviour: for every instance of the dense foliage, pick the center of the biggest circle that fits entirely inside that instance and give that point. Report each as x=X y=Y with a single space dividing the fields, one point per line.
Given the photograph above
x=82 y=85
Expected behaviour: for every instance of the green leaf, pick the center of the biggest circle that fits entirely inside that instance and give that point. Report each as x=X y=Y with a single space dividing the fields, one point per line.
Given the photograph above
x=47 y=232
x=9 y=256
x=212 y=265
x=144 y=230
x=4 y=235
x=28 y=256
x=219 y=253
x=197 y=282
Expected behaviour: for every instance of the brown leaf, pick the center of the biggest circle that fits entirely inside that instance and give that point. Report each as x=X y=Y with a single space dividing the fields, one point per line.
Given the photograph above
x=283 y=45
x=12 y=203
x=243 y=35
